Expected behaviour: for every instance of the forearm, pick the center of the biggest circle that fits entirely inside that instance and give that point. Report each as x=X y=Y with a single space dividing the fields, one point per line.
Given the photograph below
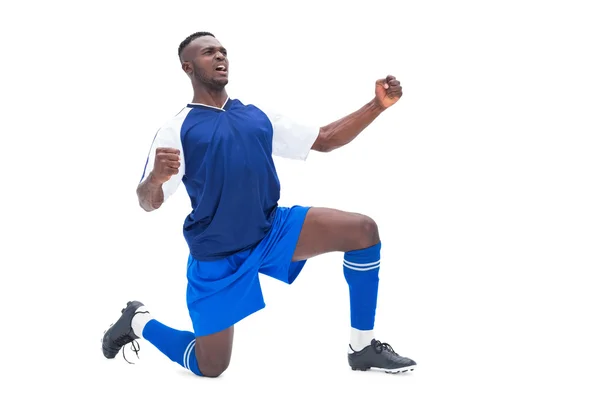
x=344 y=130
x=150 y=194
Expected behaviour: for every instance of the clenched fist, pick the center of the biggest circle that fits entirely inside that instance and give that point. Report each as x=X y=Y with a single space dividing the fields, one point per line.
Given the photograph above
x=387 y=91
x=166 y=164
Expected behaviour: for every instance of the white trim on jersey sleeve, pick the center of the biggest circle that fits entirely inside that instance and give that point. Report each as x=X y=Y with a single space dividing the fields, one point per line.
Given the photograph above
x=291 y=139
x=169 y=135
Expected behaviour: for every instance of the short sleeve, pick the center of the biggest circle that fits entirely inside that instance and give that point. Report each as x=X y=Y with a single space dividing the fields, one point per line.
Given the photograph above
x=291 y=139
x=167 y=136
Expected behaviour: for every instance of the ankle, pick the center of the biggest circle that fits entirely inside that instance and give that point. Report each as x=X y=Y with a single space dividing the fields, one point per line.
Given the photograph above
x=360 y=339
x=139 y=321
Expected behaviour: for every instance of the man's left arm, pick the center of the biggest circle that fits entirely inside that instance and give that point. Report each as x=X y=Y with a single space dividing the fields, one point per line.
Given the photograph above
x=341 y=132
x=291 y=140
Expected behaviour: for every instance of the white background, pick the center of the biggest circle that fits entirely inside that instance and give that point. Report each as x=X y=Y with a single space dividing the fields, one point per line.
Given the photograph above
x=484 y=180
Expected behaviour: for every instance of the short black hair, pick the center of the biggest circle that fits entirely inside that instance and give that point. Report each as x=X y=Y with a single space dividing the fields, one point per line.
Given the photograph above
x=189 y=39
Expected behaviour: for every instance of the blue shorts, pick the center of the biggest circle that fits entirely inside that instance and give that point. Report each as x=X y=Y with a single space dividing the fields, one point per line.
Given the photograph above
x=223 y=292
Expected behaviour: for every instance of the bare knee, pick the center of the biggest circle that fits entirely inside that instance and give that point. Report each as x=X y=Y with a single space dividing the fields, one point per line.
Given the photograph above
x=213 y=352
x=213 y=369
x=367 y=232
x=326 y=230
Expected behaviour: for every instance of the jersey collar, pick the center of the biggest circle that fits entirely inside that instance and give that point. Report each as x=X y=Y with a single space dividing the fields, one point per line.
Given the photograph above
x=207 y=107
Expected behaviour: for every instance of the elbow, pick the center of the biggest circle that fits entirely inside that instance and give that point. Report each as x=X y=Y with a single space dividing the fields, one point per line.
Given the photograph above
x=139 y=198
x=148 y=207
x=324 y=142
x=144 y=203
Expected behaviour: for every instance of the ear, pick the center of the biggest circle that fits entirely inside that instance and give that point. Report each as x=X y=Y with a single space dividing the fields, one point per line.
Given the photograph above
x=186 y=66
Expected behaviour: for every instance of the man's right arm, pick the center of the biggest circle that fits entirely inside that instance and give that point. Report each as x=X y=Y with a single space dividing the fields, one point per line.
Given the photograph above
x=165 y=166
x=150 y=194
x=162 y=176
x=164 y=169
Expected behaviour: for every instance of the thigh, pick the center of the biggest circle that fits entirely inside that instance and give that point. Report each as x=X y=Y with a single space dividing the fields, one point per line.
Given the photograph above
x=327 y=230
x=274 y=253
x=217 y=300
x=213 y=352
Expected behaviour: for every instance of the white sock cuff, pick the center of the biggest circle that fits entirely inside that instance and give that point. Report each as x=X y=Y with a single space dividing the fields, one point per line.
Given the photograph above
x=139 y=321
x=360 y=339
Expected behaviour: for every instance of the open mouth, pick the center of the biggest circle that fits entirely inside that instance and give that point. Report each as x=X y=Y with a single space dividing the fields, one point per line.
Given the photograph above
x=221 y=68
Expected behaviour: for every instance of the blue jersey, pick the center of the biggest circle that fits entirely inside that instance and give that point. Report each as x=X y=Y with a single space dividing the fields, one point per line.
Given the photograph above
x=228 y=171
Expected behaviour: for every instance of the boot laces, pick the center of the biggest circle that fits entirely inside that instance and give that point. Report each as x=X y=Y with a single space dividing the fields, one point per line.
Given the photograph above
x=122 y=340
x=380 y=347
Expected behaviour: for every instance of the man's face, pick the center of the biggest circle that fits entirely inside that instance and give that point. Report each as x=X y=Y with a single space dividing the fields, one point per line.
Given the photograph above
x=205 y=59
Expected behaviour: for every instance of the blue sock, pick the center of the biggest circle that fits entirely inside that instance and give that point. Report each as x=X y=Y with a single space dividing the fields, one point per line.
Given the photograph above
x=361 y=270
x=179 y=346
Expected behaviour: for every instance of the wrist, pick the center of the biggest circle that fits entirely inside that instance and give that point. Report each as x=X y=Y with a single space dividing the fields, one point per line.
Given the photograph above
x=376 y=106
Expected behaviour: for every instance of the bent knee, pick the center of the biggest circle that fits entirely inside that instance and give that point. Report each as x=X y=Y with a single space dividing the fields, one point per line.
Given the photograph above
x=367 y=232
x=213 y=370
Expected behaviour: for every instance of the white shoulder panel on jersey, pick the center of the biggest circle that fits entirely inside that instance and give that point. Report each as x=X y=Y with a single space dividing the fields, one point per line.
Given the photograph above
x=291 y=139
x=169 y=135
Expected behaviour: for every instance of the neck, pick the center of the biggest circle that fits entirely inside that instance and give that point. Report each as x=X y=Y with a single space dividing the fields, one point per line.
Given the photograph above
x=210 y=97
